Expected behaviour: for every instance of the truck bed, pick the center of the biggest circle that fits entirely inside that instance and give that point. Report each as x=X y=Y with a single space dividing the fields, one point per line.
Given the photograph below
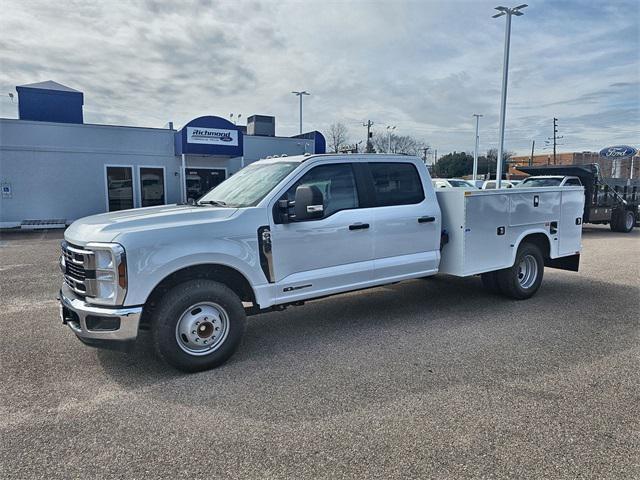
x=485 y=227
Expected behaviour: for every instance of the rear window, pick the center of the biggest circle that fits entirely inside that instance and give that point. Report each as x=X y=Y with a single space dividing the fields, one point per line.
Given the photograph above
x=541 y=182
x=396 y=184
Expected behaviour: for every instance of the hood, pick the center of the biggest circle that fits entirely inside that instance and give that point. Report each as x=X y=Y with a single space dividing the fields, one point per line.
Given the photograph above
x=105 y=227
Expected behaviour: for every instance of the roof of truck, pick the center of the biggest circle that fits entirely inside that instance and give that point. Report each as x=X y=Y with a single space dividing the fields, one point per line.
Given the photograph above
x=307 y=156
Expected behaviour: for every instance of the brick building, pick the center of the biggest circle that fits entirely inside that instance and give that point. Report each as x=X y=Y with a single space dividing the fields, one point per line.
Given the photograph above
x=609 y=167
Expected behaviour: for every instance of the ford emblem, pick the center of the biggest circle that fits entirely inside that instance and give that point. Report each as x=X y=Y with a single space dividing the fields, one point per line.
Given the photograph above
x=618 y=151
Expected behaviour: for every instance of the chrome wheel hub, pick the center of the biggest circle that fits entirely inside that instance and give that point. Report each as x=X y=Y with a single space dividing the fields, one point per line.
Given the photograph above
x=629 y=221
x=202 y=328
x=527 y=271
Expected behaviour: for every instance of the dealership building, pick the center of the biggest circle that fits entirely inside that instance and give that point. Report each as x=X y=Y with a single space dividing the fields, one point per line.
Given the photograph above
x=54 y=168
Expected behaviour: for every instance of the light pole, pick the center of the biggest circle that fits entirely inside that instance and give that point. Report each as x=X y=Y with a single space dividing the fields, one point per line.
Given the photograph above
x=505 y=73
x=475 y=150
x=300 y=94
x=389 y=130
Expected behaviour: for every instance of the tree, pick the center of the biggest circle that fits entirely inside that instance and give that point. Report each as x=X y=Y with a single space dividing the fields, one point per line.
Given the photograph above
x=456 y=164
x=337 y=136
x=491 y=162
x=404 y=144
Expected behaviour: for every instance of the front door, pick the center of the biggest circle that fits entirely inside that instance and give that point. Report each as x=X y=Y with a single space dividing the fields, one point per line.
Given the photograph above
x=200 y=180
x=326 y=255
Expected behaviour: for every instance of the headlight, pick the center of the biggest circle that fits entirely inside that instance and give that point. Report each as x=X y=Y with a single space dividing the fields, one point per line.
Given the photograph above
x=110 y=268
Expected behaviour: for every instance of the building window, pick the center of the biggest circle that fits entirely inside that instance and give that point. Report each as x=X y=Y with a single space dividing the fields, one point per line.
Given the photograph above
x=120 y=188
x=152 y=186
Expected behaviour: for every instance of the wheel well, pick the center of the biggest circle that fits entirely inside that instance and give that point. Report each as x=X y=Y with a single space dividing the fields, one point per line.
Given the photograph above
x=220 y=273
x=541 y=241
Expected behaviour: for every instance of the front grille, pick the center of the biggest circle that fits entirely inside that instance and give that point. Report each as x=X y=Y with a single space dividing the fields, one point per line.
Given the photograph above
x=77 y=269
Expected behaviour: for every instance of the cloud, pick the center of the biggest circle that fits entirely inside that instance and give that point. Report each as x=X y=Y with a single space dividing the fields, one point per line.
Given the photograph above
x=423 y=66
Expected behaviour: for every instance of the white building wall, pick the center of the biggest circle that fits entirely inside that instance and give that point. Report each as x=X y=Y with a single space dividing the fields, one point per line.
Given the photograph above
x=57 y=170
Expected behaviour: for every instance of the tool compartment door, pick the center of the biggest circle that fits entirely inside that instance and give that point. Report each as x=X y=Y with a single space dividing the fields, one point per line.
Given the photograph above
x=486 y=244
x=570 y=228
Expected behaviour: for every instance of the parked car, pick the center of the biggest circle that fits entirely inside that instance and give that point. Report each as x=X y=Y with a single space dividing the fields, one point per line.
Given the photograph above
x=550 y=181
x=286 y=230
x=451 y=183
x=491 y=184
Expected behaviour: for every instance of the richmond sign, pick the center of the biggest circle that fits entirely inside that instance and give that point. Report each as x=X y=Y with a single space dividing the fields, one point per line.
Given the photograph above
x=212 y=136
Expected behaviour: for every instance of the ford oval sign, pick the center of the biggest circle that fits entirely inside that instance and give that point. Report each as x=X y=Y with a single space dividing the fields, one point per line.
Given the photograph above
x=618 y=151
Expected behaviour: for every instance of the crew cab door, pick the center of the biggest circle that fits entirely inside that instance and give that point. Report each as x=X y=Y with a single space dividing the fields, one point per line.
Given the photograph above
x=325 y=255
x=406 y=222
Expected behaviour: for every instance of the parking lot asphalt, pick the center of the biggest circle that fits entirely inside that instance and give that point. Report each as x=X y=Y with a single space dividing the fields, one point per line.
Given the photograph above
x=424 y=379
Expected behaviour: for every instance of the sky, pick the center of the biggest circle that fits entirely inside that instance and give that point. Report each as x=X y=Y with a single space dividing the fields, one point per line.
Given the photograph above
x=424 y=66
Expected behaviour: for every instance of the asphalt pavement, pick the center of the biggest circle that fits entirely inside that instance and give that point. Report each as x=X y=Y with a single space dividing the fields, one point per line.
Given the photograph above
x=424 y=379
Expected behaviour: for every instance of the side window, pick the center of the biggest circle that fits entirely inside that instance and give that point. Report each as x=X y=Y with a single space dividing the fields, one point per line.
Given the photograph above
x=396 y=184
x=573 y=182
x=337 y=184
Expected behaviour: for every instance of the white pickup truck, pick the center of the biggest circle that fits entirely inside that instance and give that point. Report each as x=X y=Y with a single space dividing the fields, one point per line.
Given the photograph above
x=286 y=230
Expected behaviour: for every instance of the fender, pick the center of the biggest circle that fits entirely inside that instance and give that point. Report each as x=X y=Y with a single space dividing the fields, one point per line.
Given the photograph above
x=553 y=246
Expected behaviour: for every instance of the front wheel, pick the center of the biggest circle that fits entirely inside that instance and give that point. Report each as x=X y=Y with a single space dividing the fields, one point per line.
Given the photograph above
x=523 y=279
x=198 y=325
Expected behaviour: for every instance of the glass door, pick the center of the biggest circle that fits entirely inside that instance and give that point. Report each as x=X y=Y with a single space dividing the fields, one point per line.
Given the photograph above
x=152 y=186
x=119 y=188
x=201 y=180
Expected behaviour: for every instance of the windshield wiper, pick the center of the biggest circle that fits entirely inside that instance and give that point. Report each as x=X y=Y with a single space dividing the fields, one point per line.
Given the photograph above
x=216 y=203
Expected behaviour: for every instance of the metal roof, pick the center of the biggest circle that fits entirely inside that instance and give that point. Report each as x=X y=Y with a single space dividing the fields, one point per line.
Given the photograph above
x=50 y=85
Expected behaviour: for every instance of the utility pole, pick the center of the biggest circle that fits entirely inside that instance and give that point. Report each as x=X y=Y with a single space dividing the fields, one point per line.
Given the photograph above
x=475 y=150
x=435 y=159
x=555 y=138
x=555 y=133
x=425 y=150
x=508 y=12
x=369 y=124
x=389 y=130
x=301 y=94
x=533 y=145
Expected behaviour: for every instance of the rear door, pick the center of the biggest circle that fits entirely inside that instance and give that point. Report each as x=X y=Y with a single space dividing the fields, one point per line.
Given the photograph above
x=406 y=223
x=326 y=255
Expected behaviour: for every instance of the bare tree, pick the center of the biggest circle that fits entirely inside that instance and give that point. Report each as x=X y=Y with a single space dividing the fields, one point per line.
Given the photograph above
x=337 y=136
x=405 y=144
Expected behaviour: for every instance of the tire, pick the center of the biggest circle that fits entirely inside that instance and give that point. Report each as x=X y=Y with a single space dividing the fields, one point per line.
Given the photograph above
x=490 y=282
x=523 y=279
x=627 y=221
x=198 y=325
x=613 y=223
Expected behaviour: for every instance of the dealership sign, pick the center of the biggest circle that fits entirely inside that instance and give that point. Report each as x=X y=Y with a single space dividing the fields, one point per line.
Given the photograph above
x=618 y=151
x=212 y=136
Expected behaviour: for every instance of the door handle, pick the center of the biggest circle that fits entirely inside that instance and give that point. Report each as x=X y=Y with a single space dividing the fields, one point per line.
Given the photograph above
x=359 y=226
x=426 y=219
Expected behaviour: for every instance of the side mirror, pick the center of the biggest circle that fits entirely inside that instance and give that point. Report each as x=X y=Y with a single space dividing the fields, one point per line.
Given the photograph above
x=309 y=203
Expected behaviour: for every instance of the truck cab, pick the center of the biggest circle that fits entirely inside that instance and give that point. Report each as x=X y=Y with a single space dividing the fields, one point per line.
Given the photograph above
x=286 y=230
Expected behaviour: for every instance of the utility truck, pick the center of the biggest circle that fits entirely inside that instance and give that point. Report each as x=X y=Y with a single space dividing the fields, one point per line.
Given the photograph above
x=286 y=230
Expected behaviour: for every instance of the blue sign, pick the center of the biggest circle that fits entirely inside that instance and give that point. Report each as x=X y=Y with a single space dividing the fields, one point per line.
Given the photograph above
x=209 y=136
x=618 y=151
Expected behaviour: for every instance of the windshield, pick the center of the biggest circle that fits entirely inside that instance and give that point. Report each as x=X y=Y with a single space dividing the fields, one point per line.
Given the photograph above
x=541 y=182
x=250 y=185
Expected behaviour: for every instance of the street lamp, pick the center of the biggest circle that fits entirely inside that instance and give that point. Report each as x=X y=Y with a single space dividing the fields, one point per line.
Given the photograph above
x=475 y=150
x=389 y=130
x=300 y=94
x=505 y=72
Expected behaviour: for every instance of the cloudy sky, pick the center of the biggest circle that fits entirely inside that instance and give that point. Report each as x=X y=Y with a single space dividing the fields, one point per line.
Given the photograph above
x=425 y=66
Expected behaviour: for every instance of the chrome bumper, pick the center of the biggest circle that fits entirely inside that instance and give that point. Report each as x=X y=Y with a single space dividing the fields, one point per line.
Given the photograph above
x=74 y=312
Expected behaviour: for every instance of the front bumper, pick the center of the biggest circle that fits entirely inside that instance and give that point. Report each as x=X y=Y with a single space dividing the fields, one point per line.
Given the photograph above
x=98 y=326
